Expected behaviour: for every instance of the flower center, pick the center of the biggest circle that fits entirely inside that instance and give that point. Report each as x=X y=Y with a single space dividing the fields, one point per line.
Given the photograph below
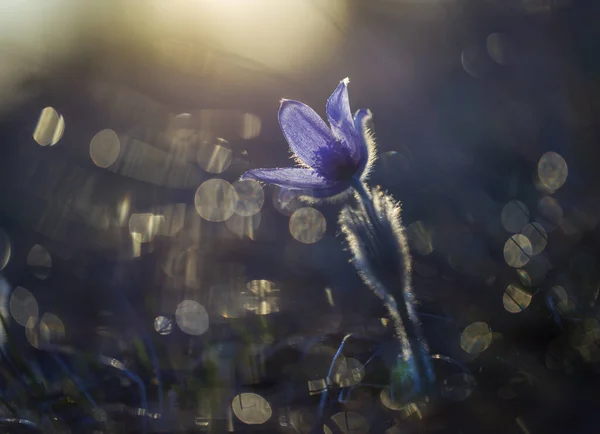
x=338 y=163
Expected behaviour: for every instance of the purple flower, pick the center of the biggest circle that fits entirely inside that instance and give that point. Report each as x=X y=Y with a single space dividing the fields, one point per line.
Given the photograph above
x=332 y=158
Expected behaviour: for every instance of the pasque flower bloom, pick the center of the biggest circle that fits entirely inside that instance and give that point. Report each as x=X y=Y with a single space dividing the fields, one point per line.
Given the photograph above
x=335 y=160
x=332 y=158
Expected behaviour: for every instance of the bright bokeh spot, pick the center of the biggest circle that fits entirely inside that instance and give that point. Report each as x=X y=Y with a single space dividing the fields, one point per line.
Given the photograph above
x=50 y=127
x=349 y=373
x=476 y=338
x=286 y=201
x=420 y=238
x=191 y=317
x=515 y=216
x=51 y=329
x=214 y=157
x=552 y=170
x=5 y=249
x=550 y=213
x=524 y=277
x=537 y=236
x=250 y=127
x=144 y=227
x=250 y=408
x=105 y=148
x=23 y=306
x=244 y=226
x=163 y=325
x=262 y=297
x=279 y=36
x=349 y=422
x=216 y=200
x=251 y=197
x=517 y=251
x=307 y=225
x=40 y=261
x=515 y=299
x=497 y=45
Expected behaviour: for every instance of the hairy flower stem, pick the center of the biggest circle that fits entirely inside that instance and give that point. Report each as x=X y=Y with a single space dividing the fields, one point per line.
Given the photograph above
x=403 y=315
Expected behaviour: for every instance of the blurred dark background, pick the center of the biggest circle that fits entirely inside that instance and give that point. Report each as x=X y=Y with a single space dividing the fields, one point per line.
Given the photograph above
x=146 y=289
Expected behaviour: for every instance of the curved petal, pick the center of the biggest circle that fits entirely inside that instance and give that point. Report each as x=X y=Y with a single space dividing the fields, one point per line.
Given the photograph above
x=340 y=118
x=308 y=135
x=338 y=109
x=292 y=178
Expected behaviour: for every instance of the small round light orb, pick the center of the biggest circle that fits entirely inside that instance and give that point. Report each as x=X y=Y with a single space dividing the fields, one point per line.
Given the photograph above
x=552 y=170
x=251 y=197
x=537 y=235
x=349 y=373
x=214 y=157
x=515 y=216
x=105 y=148
x=52 y=329
x=143 y=227
x=50 y=127
x=420 y=238
x=23 y=306
x=250 y=126
x=516 y=299
x=216 y=200
x=244 y=226
x=550 y=213
x=497 y=45
x=40 y=261
x=5 y=249
x=191 y=317
x=307 y=225
x=517 y=251
x=285 y=201
x=251 y=409
x=163 y=325
x=476 y=338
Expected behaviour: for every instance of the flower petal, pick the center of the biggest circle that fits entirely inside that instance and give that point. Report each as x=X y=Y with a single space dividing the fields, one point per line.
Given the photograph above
x=308 y=135
x=340 y=119
x=292 y=178
x=338 y=109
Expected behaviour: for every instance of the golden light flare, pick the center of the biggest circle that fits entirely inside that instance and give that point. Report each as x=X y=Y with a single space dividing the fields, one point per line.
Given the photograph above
x=281 y=36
